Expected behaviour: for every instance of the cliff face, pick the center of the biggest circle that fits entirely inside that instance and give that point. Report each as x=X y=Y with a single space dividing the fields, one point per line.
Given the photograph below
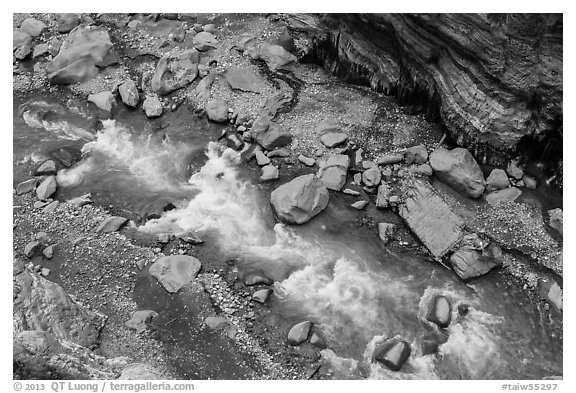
x=495 y=81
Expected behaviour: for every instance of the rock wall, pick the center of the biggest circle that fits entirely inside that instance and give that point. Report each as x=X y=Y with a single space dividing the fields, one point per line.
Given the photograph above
x=494 y=81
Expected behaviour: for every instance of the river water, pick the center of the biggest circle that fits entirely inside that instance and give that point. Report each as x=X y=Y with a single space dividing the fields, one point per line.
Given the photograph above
x=328 y=271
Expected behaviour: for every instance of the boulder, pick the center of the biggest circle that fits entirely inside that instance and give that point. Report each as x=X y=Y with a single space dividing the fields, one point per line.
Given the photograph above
x=51 y=207
x=422 y=169
x=556 y=219
x=31 y=248
x=152 y=107
x=306 y=160
x=244 y=79
x=47 y=188
x=80 y=53
x=359 y=205
x=275 y=56
x=299 y=200
x=261 y=295
x=392 y=353
x=269 y=172
x=26 y=186
x=429 y=217
x=20 y=38
x=281 y=152
x=175 y=271
x=273 y=138
x=497 y=180
x=204 y=41
x=81 y=200
x=372 y=177
x=140 y=319
x=299 y=333
x=217 y=110
x=33 y=26
x=430 y=342
x=67 y=22
x=459 y=170
x=174 y=71
x=22 y=51
x=261 y=158
x=129 y=93
x=416 y=155
x=507 y=194
x=141 y=371
x=470 y=263
x=111 y=224
x=104 y=100
x=48 y=252
x=382 y=196
x=514 y=170
x=385 y=231
x=334 y=170
x=440 y=311
x=48 y=167
x=40 y=50
x=333 y=139
x=530 y=181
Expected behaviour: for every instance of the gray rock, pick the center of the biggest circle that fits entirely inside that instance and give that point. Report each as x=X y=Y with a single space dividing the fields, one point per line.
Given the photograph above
x=430 y=342
x=204 y=41
x=458 y=169
x=514 y=170
x=31 y=248
x=140 y=319
x=82 y=200
x=328 y=126
x=282 y=153
x=507 y=194
x=333 y=139
x=257 y=279
x=469 y=263
x=174 y=71
x=334 y=170
x=48 y=252
x=274 y=137
x=152 y=107
x=40 y=50
x=416 y=155
x=497 y=180
x=269 y=172
x=175 y=271
x=20 y=38
x=317 y=341
x=209 y=28
x=111 y=224
x=386 y=231
x=216 y=322
x=244 y=79
x=129 y=93
x=299 y=333
x=33 y=26
x=45 y=272
x=66 y=22
x=261 y=296
x=299 y=200
x=349 y=191
x=261 y=158
x=104 y=100
x=26 y=186
x=422 y=169
x=392 y=353
x=306 y=160
x=275 y=56
x=22 y=51
x=190 y=237
x=530 y=182
x=48 y=167
x=217 y=110
x=47 y=188
x=390 y=159
x=556 y=219
x=235 y=141
x=359 y=205
x=51 y=207
x=40 y=204
x=440 y=311
x=141 y=371
x=372 y=177
x=429 y=217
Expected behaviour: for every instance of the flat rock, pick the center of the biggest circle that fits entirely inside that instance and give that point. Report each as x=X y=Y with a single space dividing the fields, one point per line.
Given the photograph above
x=306 y=160
x=299 y=333
x=497 y=180
x=174 y=71
x=556 y=219
x=244 y=79
x=51 y=207
x=429 y=217
x=261 y=158
x=416 y=155
x=204 y=41
x=385 y=231
x=175 y=271
x=333 y=171
x=392 y=353
x=81 y=200
x=104 y=100
x=217 y=110
x=26 y=186
x=111 y=224
x=275 y=56
x=390 y=159
x=129 y=93
x=440 y=311
x=152 y=107
x=299 y=200
x=252 y=279
x=282 y=153
x=469 y=263
x=458 y=169
x=273 y=138
x=140 y=319
x=507 y=194
x=349 y=191
x=269 y=172
x=47 y=188
x=333 y=139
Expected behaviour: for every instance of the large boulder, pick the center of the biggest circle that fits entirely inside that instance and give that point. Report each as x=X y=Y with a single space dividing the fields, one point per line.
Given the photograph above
x=392 y=353
x=459 y=170
x=430 y=217
x=47 y=188
x=334 y=170
x=297 y=201
x=440 y=311
x=217 y=110
x=275 y=56
x=80 y=54
x=129 y=93
x=174 y=71
x=469 y=263
x=175 y=271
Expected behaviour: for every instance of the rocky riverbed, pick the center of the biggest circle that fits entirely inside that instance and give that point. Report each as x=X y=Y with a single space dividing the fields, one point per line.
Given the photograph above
x=192 y=199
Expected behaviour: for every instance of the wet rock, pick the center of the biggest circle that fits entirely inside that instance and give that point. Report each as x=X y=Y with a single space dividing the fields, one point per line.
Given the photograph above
x=152 y=107
x=104 y=100
x=550 y=291
x=80 y=54
x=392 y=353
x=261 y=295
x=372 y=177
x=257 y=279
x=507 y=194
x=82 y=200
x=26 y=186
x=318 y=341
x=386 y=231
x=299 y=200
x=514 y=170
x=31 y=248
x=269 y=172
x=261 y=158
x=140 y=319
x=175 y=271
x=217 y=110
x=430 y=342
x=48 y=252
x=141 y=371
x=458 y=169
x=469 y=263
x=440 y=311
x=33 y=26
x=359 y=205
x=129 y=93
x=51 y=207
x=174 y=71
x=390 y=159
x=556 y=219
x=497 y=180
x=40 y=304
x=48 y=167
x=244 y=79
x=204 y=41
x=275 y=56
x=111 y=224
x=47 y=188
x=349 y=191
x=39 y=50
x=306 y=160
x=299 y=333
x=530 y=182
x=334 y=170
x=333 y=139
x=274 y=137
x=67 y=22
x=429 y=217
x=416 y=155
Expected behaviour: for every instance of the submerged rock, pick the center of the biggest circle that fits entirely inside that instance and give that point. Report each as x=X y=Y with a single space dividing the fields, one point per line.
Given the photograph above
x=175 y=271
x=299 y=200
x=469 y=263
x=392 y=353
x=299 y=333
x=458 y=169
